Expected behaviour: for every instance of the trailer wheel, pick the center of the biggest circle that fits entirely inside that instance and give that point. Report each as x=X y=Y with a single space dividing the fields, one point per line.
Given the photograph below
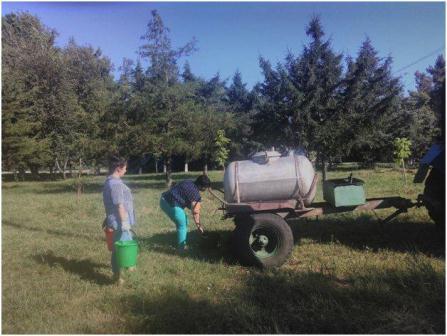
x=263 y=240
x=434 y=197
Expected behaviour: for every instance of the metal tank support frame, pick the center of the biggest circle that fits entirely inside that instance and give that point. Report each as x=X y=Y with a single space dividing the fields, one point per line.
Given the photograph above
x=262 y=236
x=292 y=208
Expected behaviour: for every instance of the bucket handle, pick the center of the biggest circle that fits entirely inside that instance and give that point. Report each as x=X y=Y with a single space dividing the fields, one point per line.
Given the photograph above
x=134 y=237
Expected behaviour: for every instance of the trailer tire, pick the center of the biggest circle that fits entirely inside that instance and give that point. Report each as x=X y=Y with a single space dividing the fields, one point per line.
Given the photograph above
x=264 y=240
x=434 y=197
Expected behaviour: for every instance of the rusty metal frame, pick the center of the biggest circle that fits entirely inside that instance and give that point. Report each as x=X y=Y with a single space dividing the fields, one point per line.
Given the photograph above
x=323 y=208
x=318 y=209
x=260 y=206
x=288 y=208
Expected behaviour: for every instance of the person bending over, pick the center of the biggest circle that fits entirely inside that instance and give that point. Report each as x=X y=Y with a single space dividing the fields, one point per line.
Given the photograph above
x=185 y=194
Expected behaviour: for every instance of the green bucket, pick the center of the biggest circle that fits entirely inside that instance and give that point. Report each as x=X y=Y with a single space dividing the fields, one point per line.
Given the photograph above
x=126 y=253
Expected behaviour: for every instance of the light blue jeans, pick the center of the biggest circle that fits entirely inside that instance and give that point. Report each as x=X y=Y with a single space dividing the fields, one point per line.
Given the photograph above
x=179 y=217
x=119 y=235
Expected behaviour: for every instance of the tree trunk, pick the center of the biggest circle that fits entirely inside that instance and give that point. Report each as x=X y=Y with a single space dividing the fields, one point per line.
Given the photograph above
x=91 y=170
x=168 y=172
x=80 y=168
x=79 y=183
x=156 y=166
x=186 y=167
x=65 y=169
x=51 y=172
x=324 y=168
x=405 y=173
x=34 y=172
x=164 y=168
x=22 y=174
x=205 y=169
x=140 y=170
x=58 y=167
x=97 y=170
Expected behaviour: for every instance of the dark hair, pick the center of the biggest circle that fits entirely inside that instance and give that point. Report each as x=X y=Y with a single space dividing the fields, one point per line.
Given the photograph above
x=116 y=162
x=203 y=182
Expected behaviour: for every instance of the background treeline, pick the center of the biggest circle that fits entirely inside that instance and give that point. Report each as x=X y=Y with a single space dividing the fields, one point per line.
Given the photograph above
x=63 y=110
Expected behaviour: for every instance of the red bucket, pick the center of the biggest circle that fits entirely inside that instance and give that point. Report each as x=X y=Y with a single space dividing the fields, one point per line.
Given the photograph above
x=109 y=238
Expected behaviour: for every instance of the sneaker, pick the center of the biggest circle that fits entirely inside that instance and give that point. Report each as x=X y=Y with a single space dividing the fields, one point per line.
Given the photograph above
x=132 y=269
x=183 y=249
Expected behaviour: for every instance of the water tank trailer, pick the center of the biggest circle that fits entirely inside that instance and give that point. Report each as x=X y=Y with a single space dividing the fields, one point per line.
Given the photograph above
x=262 y=193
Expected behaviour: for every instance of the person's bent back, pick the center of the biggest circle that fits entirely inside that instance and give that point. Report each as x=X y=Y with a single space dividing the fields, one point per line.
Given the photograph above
x=185 y=194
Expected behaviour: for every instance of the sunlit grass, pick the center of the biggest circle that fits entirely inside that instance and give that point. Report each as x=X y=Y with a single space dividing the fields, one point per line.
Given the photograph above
x=347 y=273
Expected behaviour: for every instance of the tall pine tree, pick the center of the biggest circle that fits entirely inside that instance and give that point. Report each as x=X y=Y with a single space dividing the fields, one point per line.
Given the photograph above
x=317 y=75
x=421 y=121
x=437 y=94
x=241 y=103
x=165 y=99
x=370 y=106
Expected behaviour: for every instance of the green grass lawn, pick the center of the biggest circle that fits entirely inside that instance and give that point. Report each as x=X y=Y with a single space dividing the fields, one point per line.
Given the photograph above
x=347 y=273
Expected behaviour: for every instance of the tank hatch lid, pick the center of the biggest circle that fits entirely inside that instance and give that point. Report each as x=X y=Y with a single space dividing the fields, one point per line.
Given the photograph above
x=265 y=156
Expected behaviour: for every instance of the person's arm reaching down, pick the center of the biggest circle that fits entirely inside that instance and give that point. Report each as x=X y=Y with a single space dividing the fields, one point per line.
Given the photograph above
x=195 y=206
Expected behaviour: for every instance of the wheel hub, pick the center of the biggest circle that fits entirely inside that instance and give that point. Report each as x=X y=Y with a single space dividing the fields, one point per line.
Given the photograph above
x=263 y=240
x=263 y=243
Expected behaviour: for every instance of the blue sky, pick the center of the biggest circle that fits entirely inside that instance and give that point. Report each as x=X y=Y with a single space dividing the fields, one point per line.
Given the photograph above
x=233 y=35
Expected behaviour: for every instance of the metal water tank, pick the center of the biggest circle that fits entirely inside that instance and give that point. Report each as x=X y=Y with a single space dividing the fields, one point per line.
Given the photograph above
x=269 y=176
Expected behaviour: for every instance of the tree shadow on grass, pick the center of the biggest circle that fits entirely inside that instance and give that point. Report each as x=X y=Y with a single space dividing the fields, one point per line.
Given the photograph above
x=374 y=300
x=59 y=188
x=217 y=185
x=176 y=312
x=9 y=177
x=366 y=232
x=51 y=232
x=134 y=182
x=176 y=177
x=215 y=247
x=162 y=177
x=94 y=187
x=86 y=269
x=10 y=186
x=346 y=169
x=362 y=233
